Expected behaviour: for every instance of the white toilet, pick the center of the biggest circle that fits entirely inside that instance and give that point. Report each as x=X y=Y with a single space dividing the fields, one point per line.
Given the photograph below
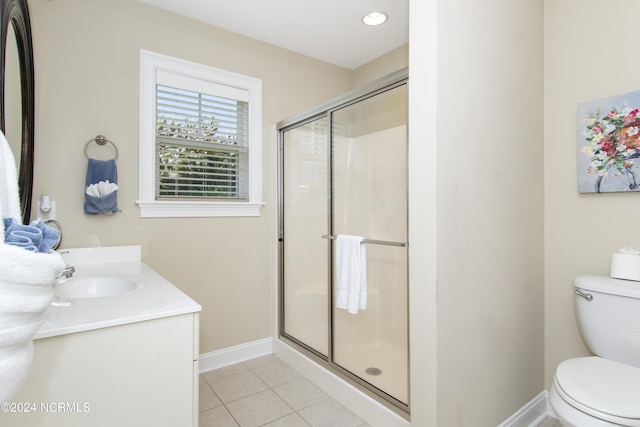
x=602 y=390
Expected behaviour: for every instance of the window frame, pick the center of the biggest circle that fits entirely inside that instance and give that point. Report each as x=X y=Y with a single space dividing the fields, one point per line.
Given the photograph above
x=150 y=64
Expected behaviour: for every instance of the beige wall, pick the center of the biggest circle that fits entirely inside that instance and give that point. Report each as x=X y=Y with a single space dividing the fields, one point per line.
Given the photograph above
x=581 y=230
x=489 y=148
x=87 y=73
x=379 y=67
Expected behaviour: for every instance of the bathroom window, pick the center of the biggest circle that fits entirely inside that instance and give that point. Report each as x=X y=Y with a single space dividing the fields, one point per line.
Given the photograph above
x=200 y=140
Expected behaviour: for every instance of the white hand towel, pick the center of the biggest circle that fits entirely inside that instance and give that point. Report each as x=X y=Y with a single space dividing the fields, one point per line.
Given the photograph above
x=101 y=189
x=351 y=266
x=26 y=280
x=9 y=195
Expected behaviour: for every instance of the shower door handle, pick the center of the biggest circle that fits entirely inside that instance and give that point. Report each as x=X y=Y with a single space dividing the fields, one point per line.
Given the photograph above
x=375 y=242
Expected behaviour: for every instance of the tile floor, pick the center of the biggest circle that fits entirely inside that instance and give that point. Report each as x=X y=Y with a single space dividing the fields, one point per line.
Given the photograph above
x=550 y=422
x=267 y=392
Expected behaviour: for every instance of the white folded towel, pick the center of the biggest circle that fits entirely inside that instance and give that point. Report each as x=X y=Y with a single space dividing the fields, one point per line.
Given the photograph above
x=351 y=266
x=26 y=280
x=9 y=195
x=101 y=189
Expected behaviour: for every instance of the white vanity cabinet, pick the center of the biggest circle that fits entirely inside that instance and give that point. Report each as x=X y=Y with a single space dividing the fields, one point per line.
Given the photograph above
x=125 y=359
x=136 y=374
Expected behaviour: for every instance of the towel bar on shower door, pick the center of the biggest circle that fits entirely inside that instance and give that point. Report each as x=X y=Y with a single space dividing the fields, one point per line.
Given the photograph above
x=375 y=242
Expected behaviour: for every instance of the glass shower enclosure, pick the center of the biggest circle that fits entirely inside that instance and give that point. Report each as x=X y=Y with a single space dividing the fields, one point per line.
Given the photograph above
x=343 y=171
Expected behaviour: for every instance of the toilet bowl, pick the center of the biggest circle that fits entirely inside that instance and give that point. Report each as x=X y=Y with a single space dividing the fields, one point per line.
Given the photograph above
x=592 y=391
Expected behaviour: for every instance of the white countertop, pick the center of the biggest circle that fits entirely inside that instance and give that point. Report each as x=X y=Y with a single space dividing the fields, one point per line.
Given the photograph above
x=154 y=298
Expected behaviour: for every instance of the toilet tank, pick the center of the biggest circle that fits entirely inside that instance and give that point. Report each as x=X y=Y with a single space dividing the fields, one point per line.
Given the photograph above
x=610 y=321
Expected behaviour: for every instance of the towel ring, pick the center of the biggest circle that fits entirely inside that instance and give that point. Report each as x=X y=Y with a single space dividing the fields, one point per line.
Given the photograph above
x=55 y=224
x=100 y=140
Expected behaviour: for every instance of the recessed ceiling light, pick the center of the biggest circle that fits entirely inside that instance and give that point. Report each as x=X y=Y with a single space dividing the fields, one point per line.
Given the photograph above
x=374 y=18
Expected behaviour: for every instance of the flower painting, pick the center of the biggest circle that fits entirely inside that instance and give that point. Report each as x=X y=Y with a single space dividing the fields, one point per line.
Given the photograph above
x=609 y=144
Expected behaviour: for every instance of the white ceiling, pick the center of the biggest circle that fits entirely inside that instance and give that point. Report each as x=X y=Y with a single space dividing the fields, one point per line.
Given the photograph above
x=329 y=30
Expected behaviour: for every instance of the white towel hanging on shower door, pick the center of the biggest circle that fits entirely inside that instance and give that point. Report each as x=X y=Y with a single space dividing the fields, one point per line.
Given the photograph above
x=351 y=268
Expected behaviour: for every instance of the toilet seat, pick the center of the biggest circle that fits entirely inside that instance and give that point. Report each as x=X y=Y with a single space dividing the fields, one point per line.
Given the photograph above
x=601 y=388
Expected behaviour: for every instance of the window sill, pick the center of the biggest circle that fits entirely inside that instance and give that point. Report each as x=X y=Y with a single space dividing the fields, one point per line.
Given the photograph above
x=184 y=209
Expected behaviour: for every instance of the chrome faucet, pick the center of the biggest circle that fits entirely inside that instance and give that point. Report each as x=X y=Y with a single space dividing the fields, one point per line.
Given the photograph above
x=67 y=272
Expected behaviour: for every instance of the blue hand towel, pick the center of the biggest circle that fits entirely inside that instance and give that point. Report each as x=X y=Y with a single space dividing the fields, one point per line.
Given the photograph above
x=101 y=170
x=50 y=235
x=103 y=204
x=35 y=237
x=22 y=236
x=97 y=171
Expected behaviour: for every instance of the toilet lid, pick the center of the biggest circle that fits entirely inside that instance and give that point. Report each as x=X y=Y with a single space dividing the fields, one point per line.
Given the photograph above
x=603 y=385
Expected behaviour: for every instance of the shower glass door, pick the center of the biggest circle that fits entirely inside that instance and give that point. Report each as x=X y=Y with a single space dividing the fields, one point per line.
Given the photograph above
x=369 y=176
x=343 y=171
x=305 y=216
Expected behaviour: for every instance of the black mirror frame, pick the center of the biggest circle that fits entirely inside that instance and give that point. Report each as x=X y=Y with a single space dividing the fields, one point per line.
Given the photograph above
x=16 y=13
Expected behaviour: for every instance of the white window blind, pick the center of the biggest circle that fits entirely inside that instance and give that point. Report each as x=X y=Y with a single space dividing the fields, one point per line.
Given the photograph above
x=202 y=145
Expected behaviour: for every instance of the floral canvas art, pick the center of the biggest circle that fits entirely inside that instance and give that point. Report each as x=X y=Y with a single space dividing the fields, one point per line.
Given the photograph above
x=609 y=144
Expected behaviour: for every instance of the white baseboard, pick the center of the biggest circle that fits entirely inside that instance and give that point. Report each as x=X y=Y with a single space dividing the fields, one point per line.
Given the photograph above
x=236 y=354
x=531 y=414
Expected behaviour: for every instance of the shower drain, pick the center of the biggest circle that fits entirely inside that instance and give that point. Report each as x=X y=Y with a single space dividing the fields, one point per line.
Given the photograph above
x=373 y=371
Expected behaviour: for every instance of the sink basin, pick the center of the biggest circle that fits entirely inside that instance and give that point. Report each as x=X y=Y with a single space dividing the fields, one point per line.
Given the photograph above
x=93 y=287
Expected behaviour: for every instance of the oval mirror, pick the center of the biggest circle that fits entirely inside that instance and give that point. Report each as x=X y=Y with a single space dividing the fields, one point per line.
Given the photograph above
x=17 y=93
